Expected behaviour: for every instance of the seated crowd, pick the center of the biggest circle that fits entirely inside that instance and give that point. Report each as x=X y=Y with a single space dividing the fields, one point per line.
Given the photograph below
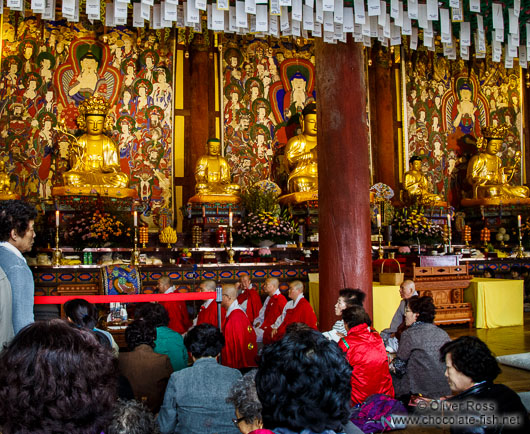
x=261 y=368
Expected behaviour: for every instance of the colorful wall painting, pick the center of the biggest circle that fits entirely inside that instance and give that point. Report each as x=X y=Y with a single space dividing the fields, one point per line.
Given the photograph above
x=48 y=71
x=265 y=84
x=446 y=105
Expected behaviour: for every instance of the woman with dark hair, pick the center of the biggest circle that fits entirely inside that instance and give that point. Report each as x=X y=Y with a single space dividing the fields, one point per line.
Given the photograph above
x=84 y=314
x=245 y=399
x=365 y=351
x=167 y=341
x=348 y=297
x=417 y=368
x=147 y=371
x=195 y=399
x=470 y=370
x=301 y=387
x=56 y=379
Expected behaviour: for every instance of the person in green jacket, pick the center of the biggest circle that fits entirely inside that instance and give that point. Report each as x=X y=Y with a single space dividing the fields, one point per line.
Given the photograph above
x=168 y=341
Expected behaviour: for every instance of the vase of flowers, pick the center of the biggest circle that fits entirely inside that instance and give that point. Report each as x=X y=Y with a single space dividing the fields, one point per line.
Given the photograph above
x=410 y=226
x=265 y=222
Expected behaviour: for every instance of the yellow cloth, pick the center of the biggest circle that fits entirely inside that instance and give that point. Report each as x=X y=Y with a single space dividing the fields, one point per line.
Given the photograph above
x=496 y=302
x=386 y=301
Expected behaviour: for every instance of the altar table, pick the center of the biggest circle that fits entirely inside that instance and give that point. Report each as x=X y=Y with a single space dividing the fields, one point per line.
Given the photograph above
x=496 y=302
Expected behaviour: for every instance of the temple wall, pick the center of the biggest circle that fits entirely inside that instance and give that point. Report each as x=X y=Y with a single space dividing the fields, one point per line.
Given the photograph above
x=445 y=106
x=49 y=68
x=265 y=83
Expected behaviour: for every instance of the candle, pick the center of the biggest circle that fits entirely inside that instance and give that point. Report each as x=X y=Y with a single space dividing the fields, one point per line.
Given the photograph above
x=135 y=218
x=203 y=211
x=519 y=221
x=378 y=220
x=230 y=219
x=449 y=221
x=57 y=218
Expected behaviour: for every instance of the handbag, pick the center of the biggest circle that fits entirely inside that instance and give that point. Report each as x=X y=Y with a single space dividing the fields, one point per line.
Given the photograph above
x=394 y=279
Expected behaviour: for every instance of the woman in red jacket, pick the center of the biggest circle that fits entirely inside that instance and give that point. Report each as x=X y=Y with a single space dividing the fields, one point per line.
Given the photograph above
x=366 y=354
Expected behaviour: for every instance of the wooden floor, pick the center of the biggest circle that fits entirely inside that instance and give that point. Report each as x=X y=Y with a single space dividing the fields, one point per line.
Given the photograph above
x=501 y=341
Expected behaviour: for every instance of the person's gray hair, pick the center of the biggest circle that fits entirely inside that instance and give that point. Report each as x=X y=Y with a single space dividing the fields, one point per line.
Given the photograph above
x=132 y=417
x=210 y=284
x=245 y=399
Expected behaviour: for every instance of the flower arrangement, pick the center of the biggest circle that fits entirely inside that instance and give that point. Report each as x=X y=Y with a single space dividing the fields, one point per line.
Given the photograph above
x=96 y=229
x=411 y=225
x=268 y=226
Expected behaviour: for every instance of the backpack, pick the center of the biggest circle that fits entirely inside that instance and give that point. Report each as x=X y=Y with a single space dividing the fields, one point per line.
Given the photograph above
x=375 y=414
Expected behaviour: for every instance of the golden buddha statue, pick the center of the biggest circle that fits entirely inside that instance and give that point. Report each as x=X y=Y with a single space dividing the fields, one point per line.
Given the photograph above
x=301 y=154
x=417 y=186
x=212 y=173
x=5 y=184
x=94 y=157
x=485 y=172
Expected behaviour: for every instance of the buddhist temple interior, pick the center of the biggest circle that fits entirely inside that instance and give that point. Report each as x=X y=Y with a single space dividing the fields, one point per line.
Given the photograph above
x=181 y=141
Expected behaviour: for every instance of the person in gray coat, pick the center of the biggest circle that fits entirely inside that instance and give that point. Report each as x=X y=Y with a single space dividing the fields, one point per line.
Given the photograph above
x=417 y=367
x=195 y=398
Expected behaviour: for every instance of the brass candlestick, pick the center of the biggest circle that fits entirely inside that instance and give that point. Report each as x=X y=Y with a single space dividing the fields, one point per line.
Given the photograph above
x=135 y=256
x=520 y=250
x=379 y=239
x=57 y=253
x=230 y=251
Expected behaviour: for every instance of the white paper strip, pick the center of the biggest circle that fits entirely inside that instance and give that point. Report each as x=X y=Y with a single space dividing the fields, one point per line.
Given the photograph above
x=328 y=22
x=498 y=35
x=514 y=40
x=358 y=7
x=319 y=12
x=454 y=3
x=399 y=19
x=274 y=8
x=414 y=39
x=428 y=31
x=523 y=60
x=432 y=10
x=49 y=10
x=513 y=22
x=37 y=6
x=262 y=18
x=192 y=13
x=200 y=4
x=395 y=38
x=422 y=16
x=328 y=5
x=138 y=21
x=241 y=15
x=444 y=20
x=317 y=32
x=309 y=18
x=407 y=25
x=394 y=8
x=170 y=12
x=497 y=19
x=413 y=9
x=474 y=6
x=310 y=3
x=92 y=8
x=274 y=30
x=109 y=15
x=222 y=5
x=366 y=28
x=348 y=25
x=250 y=6
x=512 y=50
x=508 y=62
x=68 y=7
x=382 y=16
x=296 y=10
x=284 y=19
x=386 y=28
x=145 y=11
x=218 y=18
x=120 y=10
x=295 y=27
x=496 y=51
x=464 y=52
x=156 y=21
x=465 y=34
x=148 y=2
x=374 y=7
x=338 y=13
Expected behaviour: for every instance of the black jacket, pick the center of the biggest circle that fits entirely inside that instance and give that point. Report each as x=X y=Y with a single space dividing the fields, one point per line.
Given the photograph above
x=495 y=406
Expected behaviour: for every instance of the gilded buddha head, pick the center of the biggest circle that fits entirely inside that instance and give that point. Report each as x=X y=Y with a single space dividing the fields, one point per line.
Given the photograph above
x=94 y=115
x=214 y=147
x=308 y=120
x=493 y=137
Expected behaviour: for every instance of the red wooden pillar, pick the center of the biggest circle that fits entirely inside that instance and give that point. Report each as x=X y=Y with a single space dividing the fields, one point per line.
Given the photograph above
x=343 y=176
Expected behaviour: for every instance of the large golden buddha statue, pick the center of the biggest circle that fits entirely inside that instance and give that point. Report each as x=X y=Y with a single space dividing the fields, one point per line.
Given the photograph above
x=94 y=157
x=301 y=153
x=488 y=178
x=417 y=187
x=212 y=174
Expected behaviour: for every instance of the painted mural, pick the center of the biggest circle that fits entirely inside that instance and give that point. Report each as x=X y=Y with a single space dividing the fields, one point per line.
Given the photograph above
x=48 y=71
x=265 y=86
x=447 y=104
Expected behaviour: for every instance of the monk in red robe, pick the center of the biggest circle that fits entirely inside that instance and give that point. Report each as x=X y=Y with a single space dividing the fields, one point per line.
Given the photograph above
x=248 y=299
x=241 y=349
x=208 y=311
x=179 y=319
x=296 y=310
x=271 y=310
